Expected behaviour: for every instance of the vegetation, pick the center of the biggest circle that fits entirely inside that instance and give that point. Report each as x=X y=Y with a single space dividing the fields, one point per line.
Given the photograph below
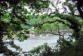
x=43 y=50
x=16 y=20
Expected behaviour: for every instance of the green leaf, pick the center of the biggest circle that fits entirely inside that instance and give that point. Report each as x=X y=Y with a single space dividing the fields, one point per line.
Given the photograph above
x=6 y=20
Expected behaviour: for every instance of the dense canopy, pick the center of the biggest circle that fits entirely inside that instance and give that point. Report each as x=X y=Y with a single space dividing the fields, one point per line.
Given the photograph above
x=17 y=16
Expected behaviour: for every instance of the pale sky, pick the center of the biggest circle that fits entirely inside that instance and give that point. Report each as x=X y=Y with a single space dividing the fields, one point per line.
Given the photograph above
x=51 y=8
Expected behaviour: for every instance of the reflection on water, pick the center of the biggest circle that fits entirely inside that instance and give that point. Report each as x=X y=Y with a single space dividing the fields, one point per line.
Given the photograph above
x=35 y=41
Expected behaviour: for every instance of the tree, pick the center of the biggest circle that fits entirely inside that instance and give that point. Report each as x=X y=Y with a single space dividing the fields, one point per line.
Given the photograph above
x=74 y=20
x=13 y=20
x=14 y=17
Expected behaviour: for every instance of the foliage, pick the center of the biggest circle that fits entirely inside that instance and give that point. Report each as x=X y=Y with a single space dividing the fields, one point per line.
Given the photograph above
x=75 y=22
x=15 y=19
x=74 y=48
x=43 y=50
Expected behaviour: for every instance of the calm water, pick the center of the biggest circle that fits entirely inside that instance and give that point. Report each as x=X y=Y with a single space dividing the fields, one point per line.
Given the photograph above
x=35 y=41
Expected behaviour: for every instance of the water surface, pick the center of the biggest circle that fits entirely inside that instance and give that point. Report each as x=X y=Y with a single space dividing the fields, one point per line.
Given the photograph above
x=35 y=41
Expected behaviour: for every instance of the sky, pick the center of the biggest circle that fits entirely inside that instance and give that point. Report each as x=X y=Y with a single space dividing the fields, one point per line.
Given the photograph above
x=55 y=4
x=51 y=8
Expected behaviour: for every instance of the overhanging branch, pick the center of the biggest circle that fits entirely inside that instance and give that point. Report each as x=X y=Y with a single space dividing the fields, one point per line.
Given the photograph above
x=49 y=22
